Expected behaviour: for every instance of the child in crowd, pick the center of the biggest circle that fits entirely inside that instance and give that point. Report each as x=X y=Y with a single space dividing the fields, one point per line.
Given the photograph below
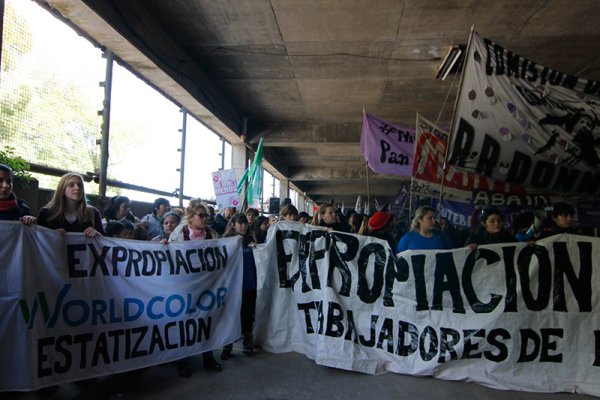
x=123 y=229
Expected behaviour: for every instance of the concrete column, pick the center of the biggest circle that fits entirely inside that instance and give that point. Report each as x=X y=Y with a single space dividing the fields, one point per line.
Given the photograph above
x=239 y=161
x=301 y=202
x=284 y=189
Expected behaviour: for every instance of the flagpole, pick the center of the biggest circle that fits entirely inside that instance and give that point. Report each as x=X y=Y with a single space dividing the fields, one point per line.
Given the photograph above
x=453 y=121
x=368 y=186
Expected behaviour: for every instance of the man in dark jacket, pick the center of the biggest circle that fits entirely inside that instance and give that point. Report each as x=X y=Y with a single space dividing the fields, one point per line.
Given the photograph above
x=11 y=208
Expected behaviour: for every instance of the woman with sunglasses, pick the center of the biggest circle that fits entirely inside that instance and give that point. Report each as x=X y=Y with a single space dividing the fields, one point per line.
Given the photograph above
x=424 y=233
x=195 y=228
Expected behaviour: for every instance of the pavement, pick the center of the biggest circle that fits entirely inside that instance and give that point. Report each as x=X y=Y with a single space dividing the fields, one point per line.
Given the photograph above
x=267 y=376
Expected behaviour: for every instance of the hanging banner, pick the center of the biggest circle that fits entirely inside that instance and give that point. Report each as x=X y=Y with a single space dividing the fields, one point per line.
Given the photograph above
x=523 y=123
x=509 y=316
x=430 y=150
x=76 y=308
x=225 y=184
x=387 y=148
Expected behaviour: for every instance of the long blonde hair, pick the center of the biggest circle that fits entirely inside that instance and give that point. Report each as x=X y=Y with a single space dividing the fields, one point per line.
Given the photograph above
x=319 y=215
x=57 y=204
x=420 y=213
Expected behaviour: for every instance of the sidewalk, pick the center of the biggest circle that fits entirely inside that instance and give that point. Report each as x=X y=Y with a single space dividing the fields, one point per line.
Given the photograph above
x=267 y=376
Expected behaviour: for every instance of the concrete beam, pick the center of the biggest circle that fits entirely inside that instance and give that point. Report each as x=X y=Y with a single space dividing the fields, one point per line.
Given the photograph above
x=343 y=173
x=307 y=135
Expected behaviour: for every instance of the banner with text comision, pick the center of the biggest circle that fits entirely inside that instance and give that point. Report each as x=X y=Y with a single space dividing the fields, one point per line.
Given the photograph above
x=525 y=124
x=507 y=316
x=74 y=307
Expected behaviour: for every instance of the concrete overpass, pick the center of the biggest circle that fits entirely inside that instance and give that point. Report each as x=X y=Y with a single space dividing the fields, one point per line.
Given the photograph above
x=299 y=73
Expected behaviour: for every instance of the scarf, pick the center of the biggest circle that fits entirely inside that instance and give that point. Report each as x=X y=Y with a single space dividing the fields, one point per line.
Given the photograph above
x=197 y=234
x=9 y=204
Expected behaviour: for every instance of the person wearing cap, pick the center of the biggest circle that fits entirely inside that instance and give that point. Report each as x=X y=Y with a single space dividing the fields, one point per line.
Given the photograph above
x=380 y=227
x=424 y=234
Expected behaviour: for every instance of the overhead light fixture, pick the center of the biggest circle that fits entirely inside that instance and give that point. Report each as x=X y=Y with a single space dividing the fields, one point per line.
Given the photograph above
x=450 y=63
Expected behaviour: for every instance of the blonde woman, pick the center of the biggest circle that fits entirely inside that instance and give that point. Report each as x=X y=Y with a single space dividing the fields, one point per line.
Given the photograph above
x=424 y=234
x=327 y=217
x=68 y=211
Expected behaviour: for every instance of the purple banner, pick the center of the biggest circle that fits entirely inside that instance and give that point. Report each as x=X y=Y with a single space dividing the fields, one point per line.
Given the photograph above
x=460 y=214
x=387 y=148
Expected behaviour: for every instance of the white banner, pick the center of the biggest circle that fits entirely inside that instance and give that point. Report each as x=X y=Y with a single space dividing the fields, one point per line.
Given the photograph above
x=525 y=124
x=75 y=308
x=225 y=184
x=507 y=316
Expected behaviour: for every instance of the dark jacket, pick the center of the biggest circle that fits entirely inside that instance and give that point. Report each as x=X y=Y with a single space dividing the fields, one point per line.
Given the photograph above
x=75 y=226
x=555 y=230
x=483 y=237
x=13 y=214
x=336 y=226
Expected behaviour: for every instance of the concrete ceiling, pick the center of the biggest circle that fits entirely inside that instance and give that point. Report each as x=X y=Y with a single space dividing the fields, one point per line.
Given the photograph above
x=300 y=72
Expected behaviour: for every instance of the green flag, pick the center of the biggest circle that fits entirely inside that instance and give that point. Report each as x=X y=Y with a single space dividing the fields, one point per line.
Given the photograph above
x=253 y=175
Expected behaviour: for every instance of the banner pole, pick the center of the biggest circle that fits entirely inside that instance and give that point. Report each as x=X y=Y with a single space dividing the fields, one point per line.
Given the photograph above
x=453 y=121
x=368 y=186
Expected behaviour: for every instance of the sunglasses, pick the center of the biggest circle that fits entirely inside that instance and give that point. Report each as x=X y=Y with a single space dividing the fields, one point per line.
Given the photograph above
x=202 y=215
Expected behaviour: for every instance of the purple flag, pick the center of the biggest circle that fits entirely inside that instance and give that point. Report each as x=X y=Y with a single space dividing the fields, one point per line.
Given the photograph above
x=387 y=148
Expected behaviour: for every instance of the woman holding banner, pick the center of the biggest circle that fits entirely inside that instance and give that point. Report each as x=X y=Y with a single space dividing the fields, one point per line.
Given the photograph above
x=169 y=221
x=491 y=230
x=327 y=217
x=196 y=228
x=424 y=234
x=68 y=211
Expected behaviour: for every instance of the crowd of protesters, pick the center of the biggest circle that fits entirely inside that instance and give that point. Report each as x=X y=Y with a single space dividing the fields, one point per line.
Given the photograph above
x=68 y=211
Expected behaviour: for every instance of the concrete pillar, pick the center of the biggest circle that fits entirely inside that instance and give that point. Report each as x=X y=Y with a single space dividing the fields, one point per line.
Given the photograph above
x=301 y=202
x=284 y=189
x=239 y=162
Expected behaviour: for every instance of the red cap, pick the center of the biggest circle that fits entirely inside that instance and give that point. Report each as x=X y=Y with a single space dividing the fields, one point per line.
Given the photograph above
x=378 y=220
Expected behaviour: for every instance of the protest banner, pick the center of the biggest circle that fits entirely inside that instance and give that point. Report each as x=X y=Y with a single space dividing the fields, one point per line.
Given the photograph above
x=74 y=307
x=429 y=174
x=387 y=148
x=225 y=184
x=523 y=123
x=509 y=316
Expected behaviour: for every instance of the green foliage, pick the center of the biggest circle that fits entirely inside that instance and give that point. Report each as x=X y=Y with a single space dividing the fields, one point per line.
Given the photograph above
x=19 y=166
